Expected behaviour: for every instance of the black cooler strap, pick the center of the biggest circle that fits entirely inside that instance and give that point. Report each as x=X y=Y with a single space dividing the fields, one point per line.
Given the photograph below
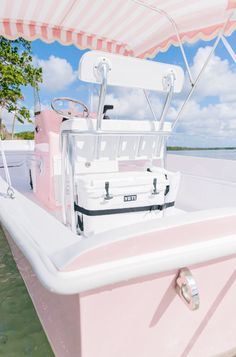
x=122 y=210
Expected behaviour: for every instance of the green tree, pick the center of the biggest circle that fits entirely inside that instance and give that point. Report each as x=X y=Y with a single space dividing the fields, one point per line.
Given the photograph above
x=16 y=71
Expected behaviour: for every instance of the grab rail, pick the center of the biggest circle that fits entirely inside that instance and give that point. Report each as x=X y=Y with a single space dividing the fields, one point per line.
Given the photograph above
x=69 y=158
x=115 y=133
x=101 y=70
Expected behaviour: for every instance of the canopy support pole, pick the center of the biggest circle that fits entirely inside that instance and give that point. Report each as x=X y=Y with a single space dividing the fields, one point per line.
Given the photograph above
x=150 y=104
x=103 y=71
x=229 y=48
x=201 y=72
x=169 y=83
x=169 y=18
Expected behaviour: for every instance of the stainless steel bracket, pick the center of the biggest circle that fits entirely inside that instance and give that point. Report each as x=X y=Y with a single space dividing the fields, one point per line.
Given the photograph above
x=101 y=70
x=187 y=289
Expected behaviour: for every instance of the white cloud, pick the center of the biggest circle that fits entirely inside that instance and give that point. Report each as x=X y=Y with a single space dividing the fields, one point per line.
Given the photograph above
x=201 y=118
x=213 y=121
x=8 y=122
x=204 y=121
x=7 y=118
x=216 y=120
x=131 y=104
x=58 y=73
x=218 y=79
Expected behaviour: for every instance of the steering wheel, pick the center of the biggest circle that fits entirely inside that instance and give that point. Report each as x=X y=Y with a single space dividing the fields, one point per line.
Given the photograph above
x=70 y=113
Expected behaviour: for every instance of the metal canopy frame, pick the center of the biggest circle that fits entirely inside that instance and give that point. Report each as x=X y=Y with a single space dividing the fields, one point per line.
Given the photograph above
x=228 y=48
x=176 y=30
x=103 y=68
x=68 y=138
x=168 y=86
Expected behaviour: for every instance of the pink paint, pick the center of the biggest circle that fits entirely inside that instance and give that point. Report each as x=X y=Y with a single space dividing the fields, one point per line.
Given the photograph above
x=141 y=317
x=69 y=36
x=19 y=26
x=79 y=39
x=190 y=36
x=47 y=153
x=44 y=32
x=7 y=28
x=56 y=32
x=32 y=29
x=146 y=318
x=201 y=22
x=231 y=4
x=157 y=241
x=47 y=124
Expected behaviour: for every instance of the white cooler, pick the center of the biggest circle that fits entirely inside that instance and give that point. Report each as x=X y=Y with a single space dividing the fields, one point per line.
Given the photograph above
x=106 y=201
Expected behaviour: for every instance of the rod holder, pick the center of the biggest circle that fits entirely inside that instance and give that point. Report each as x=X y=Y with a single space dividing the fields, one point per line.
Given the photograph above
x=101 y=70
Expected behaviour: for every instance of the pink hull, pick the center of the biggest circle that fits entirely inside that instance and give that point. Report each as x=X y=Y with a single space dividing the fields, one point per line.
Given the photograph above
x=141 y=318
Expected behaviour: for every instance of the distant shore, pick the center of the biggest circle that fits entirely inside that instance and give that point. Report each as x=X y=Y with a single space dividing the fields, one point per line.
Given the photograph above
x=29 y=135
x=183 y=148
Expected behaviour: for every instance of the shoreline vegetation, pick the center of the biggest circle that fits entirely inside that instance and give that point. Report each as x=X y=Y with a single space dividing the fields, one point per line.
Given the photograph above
x=183 y=148
x=29 y=135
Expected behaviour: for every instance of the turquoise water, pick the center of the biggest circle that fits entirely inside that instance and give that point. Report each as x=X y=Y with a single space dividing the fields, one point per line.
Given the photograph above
x=21 y=334
x=229 y=154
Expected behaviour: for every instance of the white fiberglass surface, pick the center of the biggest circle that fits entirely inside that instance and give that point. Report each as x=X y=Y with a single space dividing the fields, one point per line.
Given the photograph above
x=199 y=190
x=19 y=169
x=50 y=246
x=205 y=183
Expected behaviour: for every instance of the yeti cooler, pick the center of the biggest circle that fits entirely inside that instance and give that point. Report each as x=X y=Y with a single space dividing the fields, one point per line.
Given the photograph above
x=106 y=201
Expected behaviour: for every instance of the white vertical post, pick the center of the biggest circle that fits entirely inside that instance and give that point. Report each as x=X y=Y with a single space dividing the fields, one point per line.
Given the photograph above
x=103 y=71
x=63 y=175
x=150 y=105
x=71 y=178
x=229 y=48
x=169 y=82
x=102 y=68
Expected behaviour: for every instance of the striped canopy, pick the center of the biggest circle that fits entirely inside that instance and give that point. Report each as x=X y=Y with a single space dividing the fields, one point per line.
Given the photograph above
x=138 y=28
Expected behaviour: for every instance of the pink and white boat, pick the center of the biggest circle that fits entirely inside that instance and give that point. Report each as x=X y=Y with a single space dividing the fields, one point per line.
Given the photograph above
x=125 y=251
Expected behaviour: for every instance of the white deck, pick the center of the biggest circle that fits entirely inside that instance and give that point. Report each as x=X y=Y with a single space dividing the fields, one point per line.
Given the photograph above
x=50 y=246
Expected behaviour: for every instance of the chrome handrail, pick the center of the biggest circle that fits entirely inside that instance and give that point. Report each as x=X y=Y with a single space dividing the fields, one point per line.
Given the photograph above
x=68 y=159
x=116 y=133
x=102 y=69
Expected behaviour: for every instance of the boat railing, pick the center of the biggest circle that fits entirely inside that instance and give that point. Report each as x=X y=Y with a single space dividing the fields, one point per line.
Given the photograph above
x=133 y=140
x=95 y=67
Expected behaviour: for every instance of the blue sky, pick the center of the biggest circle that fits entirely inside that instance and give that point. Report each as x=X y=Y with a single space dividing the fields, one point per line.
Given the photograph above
x=210 y=118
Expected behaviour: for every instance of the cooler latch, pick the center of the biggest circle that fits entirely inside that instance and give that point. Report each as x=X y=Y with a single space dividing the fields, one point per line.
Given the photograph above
x=155 y=192
x=107 y=196
x=167 y=190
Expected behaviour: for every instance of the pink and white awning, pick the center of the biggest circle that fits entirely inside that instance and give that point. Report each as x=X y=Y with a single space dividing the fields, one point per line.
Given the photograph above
x=138 y=28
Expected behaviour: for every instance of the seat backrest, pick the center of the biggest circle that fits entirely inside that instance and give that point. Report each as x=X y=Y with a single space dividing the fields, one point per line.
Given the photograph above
x=130 y=72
